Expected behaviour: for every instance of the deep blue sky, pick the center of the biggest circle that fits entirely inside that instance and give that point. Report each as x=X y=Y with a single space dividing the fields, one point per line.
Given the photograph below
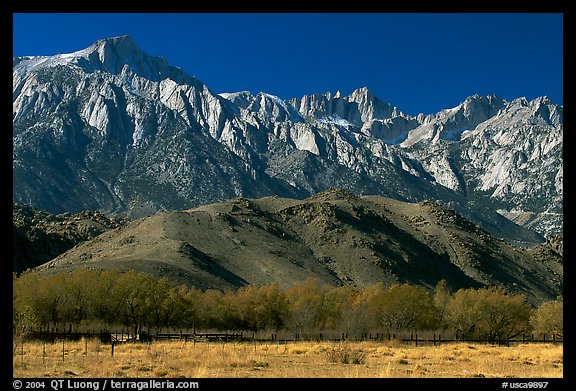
x=419 y=62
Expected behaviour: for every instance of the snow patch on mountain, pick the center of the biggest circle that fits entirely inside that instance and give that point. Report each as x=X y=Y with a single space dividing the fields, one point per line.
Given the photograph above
x=336 y=120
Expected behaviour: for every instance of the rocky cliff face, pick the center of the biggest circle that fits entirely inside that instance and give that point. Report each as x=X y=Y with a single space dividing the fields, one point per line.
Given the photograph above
x=110 y=128
x=39 y=236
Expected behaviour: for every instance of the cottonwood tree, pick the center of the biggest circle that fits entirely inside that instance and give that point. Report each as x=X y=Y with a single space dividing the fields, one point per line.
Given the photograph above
x=548 y=319
x=107 y=298
x=139 y=300
x=305 y=304
x=442 y=296
x=46 y=297
x=338 y=308
x=24 y=318
x=180 y=307
x=274 y=307
x=78 y=289
x=354 y=319
x=192 y=313
x=259 y=308
x=162 y=305
x=133 y=290
x=366 y=311
x=488 y=313
x=213 y=312
x=404 y=307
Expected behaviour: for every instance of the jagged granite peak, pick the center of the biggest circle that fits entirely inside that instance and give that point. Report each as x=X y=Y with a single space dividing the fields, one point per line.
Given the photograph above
x=450 y=124
x=357 y=108
x=121 y=54
x=102 y=140
x=111 y=54
x=103 y=51
x=371 y=107
x=524 y=154
x=545 y=109
x=266 y=106
x=514 y=157
x=242 y=99
x=111 y=128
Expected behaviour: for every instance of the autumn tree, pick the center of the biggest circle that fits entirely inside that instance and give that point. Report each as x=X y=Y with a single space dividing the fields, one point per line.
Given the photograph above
x=488 y=313
x=183 y=307
x=404 y=307
x=442 y=297
x=24 y=318
x=365 y=311
x=133 y=291
x=44 y=296
x=213 y=311
x=339 y=309
x=163 y=302
x=78 y=289
x=305 y=305
x=273 y=309
x=548 y=319
x=258 y=308
x=107 y=298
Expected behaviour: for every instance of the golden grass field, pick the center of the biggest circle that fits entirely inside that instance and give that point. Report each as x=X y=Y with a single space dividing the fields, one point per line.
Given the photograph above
x=387 y=359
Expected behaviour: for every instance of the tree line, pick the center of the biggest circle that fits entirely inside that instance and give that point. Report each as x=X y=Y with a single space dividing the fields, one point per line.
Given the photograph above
x=141 y=302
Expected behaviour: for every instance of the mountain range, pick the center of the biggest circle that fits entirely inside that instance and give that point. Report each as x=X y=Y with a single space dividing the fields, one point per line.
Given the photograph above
x=112 y=129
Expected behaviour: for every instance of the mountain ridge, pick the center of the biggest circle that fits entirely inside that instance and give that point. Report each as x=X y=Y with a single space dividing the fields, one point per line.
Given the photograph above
x=123 y=132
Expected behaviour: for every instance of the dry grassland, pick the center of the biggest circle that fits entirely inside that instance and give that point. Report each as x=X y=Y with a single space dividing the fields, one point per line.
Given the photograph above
x=298 y=360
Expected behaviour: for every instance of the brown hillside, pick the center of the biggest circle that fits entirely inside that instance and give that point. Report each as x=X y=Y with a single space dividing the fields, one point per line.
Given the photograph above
x=334 y=236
